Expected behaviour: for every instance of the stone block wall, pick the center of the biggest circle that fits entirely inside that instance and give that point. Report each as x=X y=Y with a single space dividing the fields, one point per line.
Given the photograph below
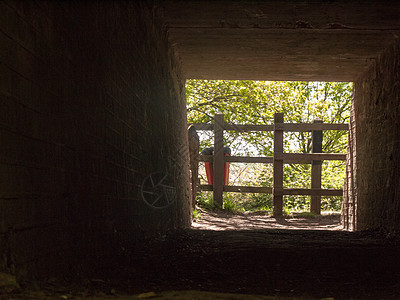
x=375 y=156
x=91 y=103
x=349 y=203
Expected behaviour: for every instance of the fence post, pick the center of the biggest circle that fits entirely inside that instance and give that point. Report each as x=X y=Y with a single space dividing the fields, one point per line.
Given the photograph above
x=218 y=164
x=316 y=169
x=194 y=148
x=278 y=165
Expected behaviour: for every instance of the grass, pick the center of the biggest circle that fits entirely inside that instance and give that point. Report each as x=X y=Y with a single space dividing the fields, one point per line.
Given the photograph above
x=240 y=203
x=196 y=214
x=301 y=214
x=231 y=206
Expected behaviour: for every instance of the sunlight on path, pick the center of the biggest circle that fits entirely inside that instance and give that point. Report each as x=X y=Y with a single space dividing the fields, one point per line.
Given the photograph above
x=227 y=221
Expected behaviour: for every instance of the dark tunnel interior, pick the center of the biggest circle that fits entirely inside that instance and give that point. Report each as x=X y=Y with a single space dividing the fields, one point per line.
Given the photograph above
x=93 y=104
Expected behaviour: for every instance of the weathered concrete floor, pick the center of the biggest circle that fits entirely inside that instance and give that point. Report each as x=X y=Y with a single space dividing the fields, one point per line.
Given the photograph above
x=274 y=262
x=298 y=264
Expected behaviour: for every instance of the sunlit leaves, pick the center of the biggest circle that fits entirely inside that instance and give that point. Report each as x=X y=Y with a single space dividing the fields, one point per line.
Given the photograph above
x=255 y=102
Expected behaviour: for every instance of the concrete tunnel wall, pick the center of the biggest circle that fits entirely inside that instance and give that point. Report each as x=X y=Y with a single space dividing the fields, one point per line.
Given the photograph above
x=92 y=102
x=372 y=198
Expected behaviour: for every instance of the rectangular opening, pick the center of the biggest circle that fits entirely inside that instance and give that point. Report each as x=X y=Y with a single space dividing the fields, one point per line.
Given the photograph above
x=248 y=109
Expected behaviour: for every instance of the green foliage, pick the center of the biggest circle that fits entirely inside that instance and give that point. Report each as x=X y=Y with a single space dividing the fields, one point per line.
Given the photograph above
x=236 y=202
x=257 y=202
x=255 y=102
x=296 y=203
x=205 y=199
x=196 y=214
x=229 y=205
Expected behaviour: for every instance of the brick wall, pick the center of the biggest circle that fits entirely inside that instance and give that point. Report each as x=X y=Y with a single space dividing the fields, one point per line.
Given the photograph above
x=349 y=203
x=91 y=103
x=376 y=144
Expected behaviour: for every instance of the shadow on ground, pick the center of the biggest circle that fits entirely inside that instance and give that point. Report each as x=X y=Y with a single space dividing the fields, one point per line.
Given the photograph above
x=222 y=220
x=277 y=259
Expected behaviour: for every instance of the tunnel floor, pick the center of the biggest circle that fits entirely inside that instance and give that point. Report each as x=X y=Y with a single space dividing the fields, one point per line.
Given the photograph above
x=225 y=220
x=272 y=262
x=290 y=263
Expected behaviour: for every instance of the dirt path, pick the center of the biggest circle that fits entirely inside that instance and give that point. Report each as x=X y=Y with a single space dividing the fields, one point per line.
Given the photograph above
x=220 y=220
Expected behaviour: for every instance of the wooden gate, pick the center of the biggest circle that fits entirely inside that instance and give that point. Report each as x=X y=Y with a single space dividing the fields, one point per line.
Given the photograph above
x=278 y=191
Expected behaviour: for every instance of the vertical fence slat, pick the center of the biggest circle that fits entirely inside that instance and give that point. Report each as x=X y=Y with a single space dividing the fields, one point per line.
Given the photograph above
x=194 y=149
x=218 y=166
x=316 y=169
x=278 y=165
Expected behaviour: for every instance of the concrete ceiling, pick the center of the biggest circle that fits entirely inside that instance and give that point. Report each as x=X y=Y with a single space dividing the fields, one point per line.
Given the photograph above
x=280 y=40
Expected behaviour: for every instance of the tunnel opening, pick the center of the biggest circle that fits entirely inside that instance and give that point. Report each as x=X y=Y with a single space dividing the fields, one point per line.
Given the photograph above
x=254 y=103
x=249 y=41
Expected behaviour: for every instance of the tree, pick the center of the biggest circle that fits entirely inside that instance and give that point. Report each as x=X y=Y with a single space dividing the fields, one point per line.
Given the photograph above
x=255 y=102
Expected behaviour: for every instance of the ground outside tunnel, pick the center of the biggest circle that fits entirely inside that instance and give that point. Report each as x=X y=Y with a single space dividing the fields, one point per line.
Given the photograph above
x=248 y=254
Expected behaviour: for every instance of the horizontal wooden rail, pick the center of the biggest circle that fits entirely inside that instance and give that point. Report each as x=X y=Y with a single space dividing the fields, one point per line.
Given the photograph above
x=209 y=158
x=206 y=187
x=295 y=158
x=292 y=127
x=235 y=127
x=301 y=127
x=202 y=126
x=250 y=159
x=307 y=158
x=308 y=192
x=240 y=189
x=241 y=128
x=270 y=190
x=241 y=159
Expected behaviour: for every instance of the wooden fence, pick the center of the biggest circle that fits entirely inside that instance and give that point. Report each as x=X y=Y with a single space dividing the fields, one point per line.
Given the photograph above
x=279 y=158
